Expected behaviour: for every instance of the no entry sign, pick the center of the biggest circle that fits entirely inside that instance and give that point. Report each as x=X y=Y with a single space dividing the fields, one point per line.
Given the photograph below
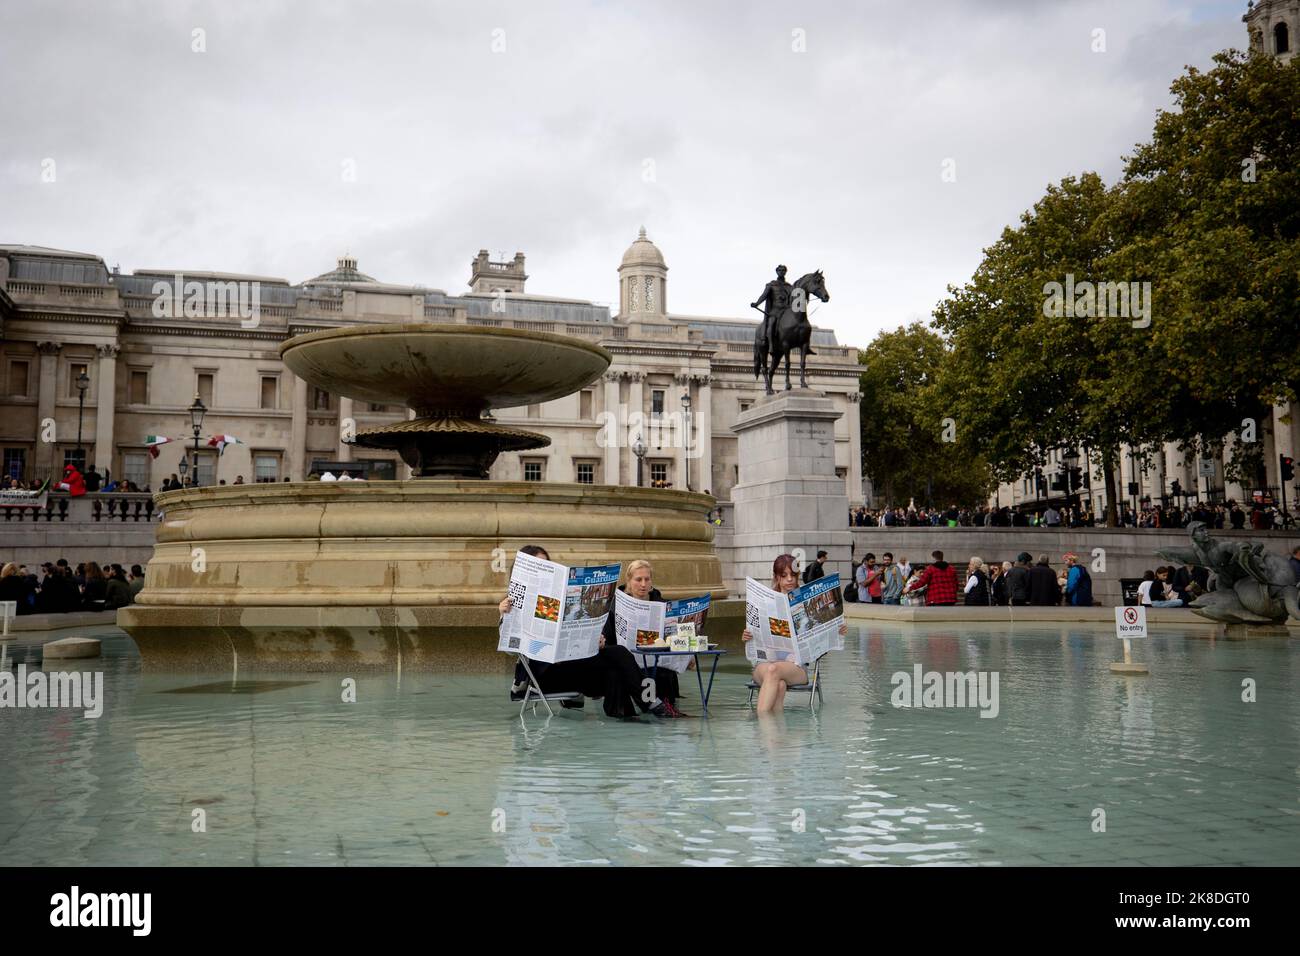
x=1130 y=622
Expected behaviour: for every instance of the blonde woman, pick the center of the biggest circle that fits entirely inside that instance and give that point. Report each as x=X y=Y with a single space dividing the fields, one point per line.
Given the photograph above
x=639 y=584
x=774 y=677
x=16 y=587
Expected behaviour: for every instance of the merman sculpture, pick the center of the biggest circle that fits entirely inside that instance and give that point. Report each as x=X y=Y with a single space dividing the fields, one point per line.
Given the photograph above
x=1250 y=586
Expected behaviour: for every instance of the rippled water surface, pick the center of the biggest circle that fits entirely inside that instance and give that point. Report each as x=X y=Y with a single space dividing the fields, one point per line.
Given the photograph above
x=431 y=769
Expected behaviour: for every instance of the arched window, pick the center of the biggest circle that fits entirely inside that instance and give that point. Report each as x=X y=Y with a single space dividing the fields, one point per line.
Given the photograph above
x=1281 y=39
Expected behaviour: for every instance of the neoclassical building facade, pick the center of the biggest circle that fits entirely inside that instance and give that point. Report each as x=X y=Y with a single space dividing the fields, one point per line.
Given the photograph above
x=1273 y=26
x=144 y=345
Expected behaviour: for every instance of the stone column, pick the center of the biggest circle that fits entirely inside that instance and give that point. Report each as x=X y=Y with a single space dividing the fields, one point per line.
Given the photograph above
x=43 y=461
x=704 y=433
x=613 y=431
x=788 y=495
x=105 y=404
x=855 y=448
x=298 y=429
x=345 y=411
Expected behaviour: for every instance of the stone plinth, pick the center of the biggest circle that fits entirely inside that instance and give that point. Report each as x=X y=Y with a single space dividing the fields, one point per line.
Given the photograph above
x=788 y=496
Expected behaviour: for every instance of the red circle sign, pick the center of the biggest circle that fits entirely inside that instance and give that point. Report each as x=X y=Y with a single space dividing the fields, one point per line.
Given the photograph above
x=1130 y=615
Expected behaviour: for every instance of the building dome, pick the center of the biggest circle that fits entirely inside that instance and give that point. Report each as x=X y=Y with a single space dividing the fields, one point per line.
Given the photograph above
x=643 y=252
x=345 y=272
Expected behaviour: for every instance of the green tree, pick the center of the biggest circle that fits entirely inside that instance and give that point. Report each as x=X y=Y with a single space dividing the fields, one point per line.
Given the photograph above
x=1210 y=209
x=1025 y=375
x=903 y=448
x=1208 y=213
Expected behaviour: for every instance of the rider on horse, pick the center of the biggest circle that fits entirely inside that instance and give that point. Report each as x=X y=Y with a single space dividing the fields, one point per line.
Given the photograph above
x=775 y=299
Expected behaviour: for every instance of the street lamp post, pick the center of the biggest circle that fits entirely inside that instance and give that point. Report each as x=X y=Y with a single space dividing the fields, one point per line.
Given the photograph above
x=183 y=468
x=1071 y=461
x=83 y=383
x=638 y=449
x=686 y=438
x=197 y=411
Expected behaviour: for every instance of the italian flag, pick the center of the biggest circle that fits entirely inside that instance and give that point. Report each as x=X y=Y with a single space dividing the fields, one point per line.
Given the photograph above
x=155 y=442
x=219 y=442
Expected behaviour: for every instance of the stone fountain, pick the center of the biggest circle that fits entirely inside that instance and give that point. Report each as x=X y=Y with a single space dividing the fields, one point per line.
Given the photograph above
x=391 y=574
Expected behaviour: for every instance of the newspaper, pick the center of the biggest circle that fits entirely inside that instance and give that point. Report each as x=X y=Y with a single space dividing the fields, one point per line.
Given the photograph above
x=638 y=622
x=556 y=613
x=798 y=627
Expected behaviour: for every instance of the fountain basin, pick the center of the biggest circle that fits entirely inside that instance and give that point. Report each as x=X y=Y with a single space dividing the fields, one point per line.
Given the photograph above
x=347 y=574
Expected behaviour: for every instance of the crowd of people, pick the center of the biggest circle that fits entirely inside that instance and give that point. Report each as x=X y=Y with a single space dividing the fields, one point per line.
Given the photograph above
x=61 y=589
x=1232 y=515
x=1023 y=582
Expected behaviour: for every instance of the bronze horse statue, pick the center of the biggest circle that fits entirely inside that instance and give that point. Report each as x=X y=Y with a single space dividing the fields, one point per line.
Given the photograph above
x=789 y=331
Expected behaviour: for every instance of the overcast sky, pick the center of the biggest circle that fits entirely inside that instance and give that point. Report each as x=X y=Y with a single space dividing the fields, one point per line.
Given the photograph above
x=410 y=135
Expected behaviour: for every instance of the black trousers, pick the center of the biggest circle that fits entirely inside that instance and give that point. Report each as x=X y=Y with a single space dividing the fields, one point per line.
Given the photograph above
x=611 y=674
x=666 y=683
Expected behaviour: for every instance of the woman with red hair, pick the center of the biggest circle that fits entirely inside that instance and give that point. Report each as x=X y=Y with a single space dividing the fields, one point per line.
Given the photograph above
x=773 y=677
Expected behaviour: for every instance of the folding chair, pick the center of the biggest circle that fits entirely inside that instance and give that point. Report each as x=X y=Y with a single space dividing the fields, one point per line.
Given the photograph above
x=813 y=687
x=534 y=693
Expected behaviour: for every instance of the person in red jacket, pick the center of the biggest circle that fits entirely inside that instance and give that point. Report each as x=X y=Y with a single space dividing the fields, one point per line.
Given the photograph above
x=72 y=481
x=941 y=580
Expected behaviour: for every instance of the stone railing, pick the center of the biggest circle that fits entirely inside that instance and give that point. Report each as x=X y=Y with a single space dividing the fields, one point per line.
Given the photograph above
x=85 y=509
x=46 y=290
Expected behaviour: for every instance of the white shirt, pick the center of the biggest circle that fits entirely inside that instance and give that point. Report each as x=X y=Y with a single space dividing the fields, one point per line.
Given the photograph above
x=328 y=476
x=1144 y=592
x=970 y=583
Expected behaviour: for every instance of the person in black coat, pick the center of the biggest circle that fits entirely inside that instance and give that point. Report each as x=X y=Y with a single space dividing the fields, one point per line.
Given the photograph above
x=1018 y=580
x=611 y=674
x=978 y=594
x=667 y=686
x=1044 y=589
x=1000 y=584
x=16 y=587
x=96 y=589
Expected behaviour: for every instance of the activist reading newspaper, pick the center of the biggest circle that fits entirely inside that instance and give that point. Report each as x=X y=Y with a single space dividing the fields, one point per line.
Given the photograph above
x=556 y=613
x=798 y=627
x=637 y=623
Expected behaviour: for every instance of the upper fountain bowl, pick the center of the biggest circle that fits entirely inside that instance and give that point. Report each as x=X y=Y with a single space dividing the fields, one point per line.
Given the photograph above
x=432 y=366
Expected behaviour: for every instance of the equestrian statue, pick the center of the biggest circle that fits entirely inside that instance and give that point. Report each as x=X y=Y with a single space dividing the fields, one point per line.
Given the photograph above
x=785 y=326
